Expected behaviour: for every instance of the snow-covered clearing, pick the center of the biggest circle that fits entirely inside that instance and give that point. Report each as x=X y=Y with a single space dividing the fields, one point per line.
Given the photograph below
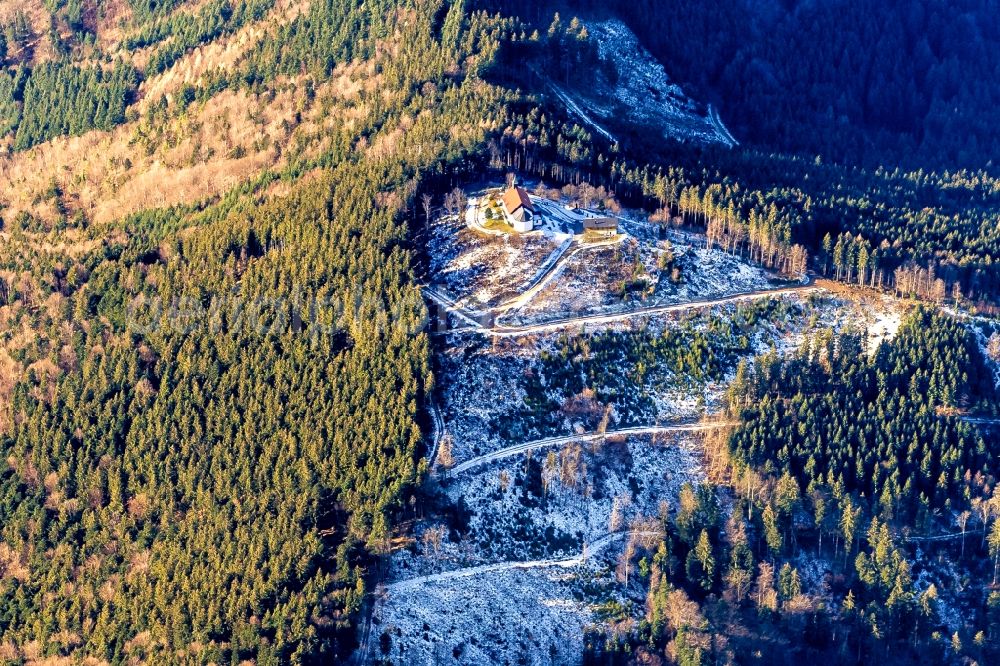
x=554 y=274
x=641 y=96
x=628 y=276
x=928 y=570
x=481 y=390
x=509 y=616
x=882 y=324
x=526 y=521
x=481 y=270
x=484 y=381
x=988 y=334
x=535 y=561
x=552 y=266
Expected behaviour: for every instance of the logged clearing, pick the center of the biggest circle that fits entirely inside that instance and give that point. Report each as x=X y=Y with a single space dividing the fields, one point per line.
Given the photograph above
x=199 y=154
x=221 y=54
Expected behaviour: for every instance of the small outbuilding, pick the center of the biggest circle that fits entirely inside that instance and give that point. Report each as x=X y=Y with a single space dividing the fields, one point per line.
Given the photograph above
x=519 y=210
x=605 y=226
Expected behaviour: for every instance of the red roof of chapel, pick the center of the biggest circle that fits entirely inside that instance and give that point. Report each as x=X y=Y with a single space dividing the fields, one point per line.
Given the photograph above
x=515 y=198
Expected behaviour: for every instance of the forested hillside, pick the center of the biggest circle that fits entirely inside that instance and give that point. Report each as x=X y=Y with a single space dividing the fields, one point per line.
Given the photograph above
x=842 y=458
x=210 y=418
x=882 y=427
x=215 y=363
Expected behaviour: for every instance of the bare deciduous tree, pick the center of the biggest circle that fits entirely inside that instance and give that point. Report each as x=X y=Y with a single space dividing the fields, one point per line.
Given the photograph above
x=617 y=518
x=739 y=582
x=427 y=203
x=444 y=456
x=432 y=539
x=625 y=562
x=458 y=196
x=963 y=520
x=550 y=471
x=765 y=595
x=569 y=468
x=504 y=480
x=993 y=347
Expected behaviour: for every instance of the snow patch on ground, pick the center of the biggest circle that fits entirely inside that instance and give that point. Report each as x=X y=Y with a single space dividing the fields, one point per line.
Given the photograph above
x=945 y=577
x=987 y=331
x=636 y=472
x=535 y=612
x=883 y=327
x=482 y=390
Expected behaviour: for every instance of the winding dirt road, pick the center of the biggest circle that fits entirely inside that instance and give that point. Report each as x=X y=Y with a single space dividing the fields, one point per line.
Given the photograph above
x=586 y=437
x=438 y=422
x=508 y=331
x=589 y=550
x=582 y=320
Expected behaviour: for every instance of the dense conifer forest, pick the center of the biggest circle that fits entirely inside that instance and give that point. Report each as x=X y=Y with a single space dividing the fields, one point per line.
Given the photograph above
x=838 y=454
x=218 y=422
x=882 y=427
